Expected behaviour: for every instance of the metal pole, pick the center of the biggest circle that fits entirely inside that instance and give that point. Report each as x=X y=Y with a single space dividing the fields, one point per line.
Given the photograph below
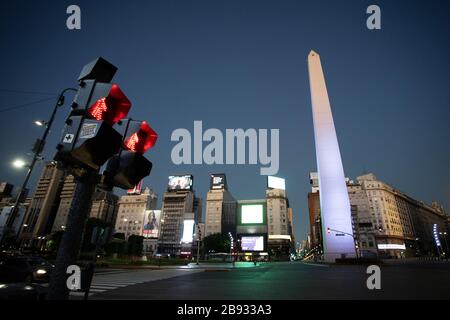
x=198 y=250
x=36 y=155
x=70 y=243
x=356 y=251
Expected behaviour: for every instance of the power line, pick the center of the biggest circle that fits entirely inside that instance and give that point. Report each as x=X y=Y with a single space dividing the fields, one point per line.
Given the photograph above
x=27 y=92
x=26 y=104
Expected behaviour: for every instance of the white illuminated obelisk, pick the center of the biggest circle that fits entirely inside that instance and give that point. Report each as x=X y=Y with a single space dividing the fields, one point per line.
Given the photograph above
x=334 y=202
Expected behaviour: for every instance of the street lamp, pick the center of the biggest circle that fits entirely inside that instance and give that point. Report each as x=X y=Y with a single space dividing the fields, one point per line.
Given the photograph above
x=40 y=123
x=349 y=234
x=19 y=163
x=445 y=239
x=36 y=156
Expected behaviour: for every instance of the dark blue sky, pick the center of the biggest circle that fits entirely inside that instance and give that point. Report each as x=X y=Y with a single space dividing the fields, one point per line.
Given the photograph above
x=242 y=64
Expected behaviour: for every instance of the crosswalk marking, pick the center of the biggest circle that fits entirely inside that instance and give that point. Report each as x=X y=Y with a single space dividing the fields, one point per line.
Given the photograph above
x=106 y=281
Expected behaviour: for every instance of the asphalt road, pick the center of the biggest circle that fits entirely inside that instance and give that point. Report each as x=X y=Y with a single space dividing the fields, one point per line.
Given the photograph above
x=290 y=280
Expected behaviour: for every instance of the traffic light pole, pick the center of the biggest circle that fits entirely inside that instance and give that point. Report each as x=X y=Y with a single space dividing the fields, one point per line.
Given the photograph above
x=37 y=154
x=198 y=250
x=71 y=240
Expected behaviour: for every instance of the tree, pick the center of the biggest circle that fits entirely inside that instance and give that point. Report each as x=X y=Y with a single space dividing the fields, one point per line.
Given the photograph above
x=135 y=245
x=216 y=242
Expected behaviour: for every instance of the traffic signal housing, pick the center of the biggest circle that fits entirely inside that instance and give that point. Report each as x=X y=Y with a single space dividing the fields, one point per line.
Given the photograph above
x=126 y=169
x=89 y=139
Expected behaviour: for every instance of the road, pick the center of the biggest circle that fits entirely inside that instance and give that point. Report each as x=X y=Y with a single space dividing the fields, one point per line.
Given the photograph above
x=289 y=280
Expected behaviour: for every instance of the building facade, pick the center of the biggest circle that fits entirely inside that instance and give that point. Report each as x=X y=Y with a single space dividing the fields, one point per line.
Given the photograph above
x=65 y=201
x=132 y=209
x=220 y=208
x=41 y=213
x=387 y=222
x=179 y=201
x=281 y=240
x=105 y=206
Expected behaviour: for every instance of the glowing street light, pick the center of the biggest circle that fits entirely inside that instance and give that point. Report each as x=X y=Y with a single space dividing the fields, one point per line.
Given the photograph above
x=19 y=163
x=40 y=123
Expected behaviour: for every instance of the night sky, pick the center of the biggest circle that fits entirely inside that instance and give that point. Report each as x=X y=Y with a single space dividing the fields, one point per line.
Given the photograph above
x=242 y=64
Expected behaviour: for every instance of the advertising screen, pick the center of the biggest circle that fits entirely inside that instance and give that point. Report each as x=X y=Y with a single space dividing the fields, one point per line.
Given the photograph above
x=252 y=213
x=188 y=231
x=218 y=181
x=276 y=183
x=252 y=243
x=152 y=221
x=180 y=183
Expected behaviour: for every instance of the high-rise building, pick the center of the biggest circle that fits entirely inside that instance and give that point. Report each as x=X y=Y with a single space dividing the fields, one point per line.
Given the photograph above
x=18 y=221
x=6 y=198
x=334 y=201
x=386 y=222
x=65 y=201
x=179 y=203
x=220 y=207
x=44 y=204
x=104 y=206
x=5 y=189
x=132 y=212
x=279 y=219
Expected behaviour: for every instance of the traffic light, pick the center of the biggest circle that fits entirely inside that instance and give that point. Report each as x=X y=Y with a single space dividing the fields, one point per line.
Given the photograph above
x=89 y=139
x=126 y=169
x=328 y=230
x=199 y=232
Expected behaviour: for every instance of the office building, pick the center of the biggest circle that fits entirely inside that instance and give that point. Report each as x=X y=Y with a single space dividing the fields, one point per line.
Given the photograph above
x=387 y=222
x=179 y=201
x=220 y=207
x=104 y=206
x=40 y=215
x=133 y=211
x=65 y=201
x=279 y=220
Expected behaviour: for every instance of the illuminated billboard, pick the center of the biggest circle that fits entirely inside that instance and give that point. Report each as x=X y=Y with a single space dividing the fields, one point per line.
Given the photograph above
x=180 y=183
x=188 y=231
x=391 y=246
x=218 y=182
x=276 y=183
x=252 y=214
x=152 y=221
x=252 y=243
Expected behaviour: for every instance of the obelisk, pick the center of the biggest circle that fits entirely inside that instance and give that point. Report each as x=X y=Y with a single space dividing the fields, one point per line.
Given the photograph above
x=335 y=211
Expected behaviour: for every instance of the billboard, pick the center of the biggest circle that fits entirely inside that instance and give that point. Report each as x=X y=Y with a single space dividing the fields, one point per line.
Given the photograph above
x=152 y=220
x=276 y=183
x=252 y=214
x=188 y=231
x=252 y=243
x=218 y=182
x=390 y=246
x=180 y=183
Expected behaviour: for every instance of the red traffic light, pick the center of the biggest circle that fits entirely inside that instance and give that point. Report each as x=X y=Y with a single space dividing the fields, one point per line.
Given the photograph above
x=111 y=108
x=142 y=140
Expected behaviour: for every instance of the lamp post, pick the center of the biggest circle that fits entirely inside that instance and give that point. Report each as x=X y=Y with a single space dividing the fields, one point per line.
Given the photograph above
x=39 y=147
x=445 y=239
x=349 y=234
